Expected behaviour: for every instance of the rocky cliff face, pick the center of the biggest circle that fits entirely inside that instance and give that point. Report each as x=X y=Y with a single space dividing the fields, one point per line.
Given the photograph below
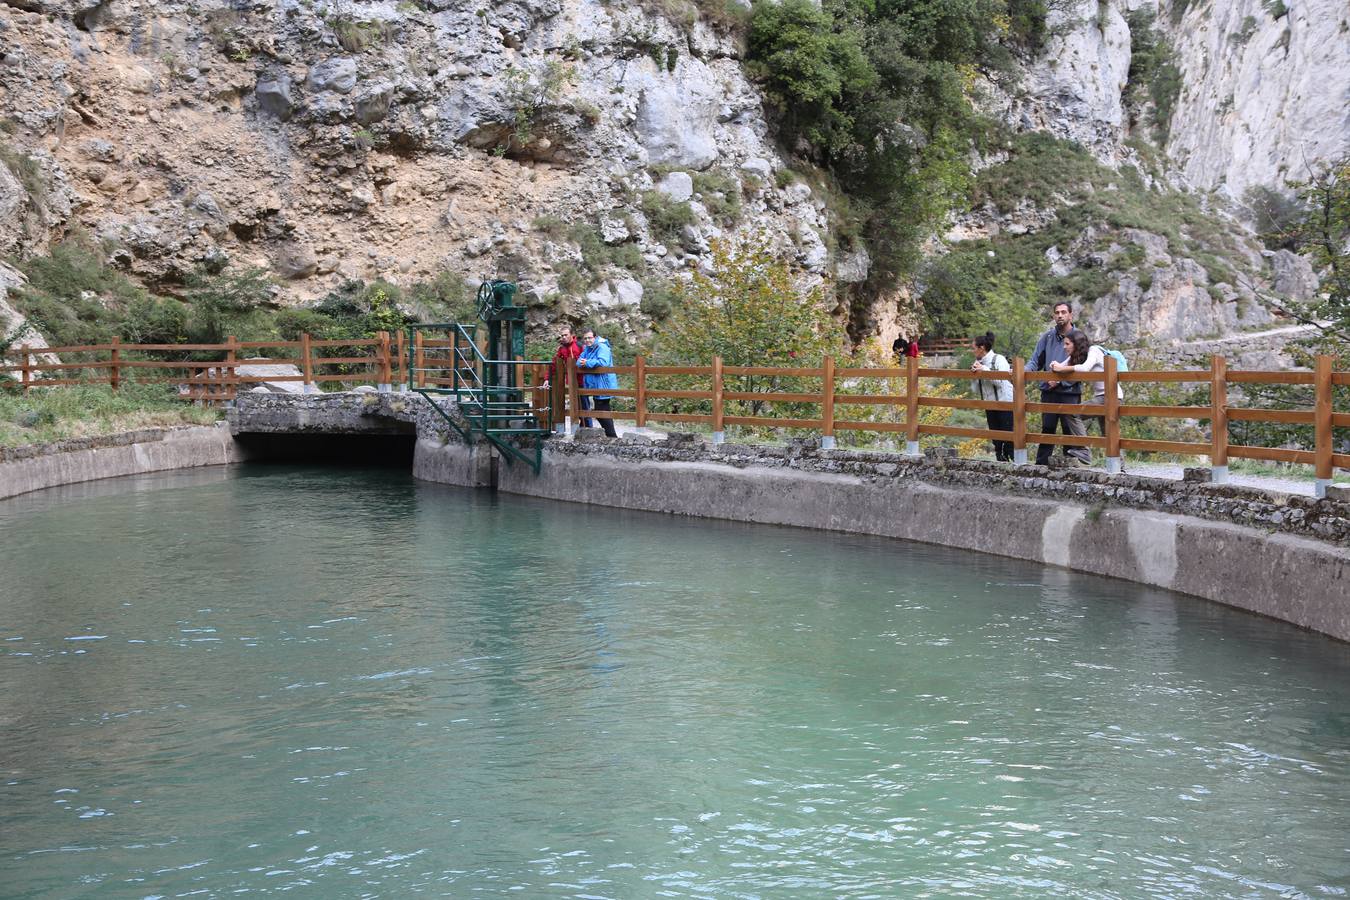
x=335 y=140
x=588 y=149
x=1266 y=90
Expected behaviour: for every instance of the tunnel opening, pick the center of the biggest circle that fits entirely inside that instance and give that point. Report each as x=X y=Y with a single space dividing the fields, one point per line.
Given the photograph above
x=371 y=450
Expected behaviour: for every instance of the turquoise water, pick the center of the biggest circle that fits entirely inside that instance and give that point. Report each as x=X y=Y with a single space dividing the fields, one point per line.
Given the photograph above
x=347 y=683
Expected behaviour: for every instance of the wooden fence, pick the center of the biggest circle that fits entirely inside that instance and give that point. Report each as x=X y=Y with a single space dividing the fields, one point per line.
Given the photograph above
x=835 y=391
x=385 y=359
x=212 y=374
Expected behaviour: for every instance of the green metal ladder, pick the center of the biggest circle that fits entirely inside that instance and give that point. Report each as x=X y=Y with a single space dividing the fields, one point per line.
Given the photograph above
x=498 y=412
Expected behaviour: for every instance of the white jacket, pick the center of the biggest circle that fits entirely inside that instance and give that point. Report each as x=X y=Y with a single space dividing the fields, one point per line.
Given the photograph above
x=1096 y=362
x=1000 y=391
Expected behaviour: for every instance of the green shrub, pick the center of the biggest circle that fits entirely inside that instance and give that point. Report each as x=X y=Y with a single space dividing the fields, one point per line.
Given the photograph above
x=720 y=194
x=659 y=298
x=1154 y=74
x=228 y=303
x=72 y=296
x=356 y=35
x=666 y=217
x=28 y=172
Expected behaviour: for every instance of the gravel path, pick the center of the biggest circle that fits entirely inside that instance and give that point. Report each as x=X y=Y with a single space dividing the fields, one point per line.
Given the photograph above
x=1267 y=482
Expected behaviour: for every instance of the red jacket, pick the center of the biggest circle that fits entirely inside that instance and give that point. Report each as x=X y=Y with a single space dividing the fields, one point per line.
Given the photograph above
x=565 y=352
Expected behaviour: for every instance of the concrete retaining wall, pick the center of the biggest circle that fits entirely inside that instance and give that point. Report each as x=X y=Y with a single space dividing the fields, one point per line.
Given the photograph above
x=131 y=453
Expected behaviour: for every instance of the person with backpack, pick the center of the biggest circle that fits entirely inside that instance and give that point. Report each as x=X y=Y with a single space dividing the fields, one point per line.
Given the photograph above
x=986 y=360
x=1093 y=358
x=1051 y=349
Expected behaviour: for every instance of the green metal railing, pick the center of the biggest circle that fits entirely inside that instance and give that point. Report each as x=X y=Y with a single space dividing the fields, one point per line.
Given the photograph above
x=491 y=401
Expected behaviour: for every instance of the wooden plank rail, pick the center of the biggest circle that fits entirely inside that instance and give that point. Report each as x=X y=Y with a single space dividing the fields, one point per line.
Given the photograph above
x=212 y=375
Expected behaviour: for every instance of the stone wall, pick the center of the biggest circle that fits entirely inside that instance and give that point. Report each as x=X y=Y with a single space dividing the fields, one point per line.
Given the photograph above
x=1326 y=520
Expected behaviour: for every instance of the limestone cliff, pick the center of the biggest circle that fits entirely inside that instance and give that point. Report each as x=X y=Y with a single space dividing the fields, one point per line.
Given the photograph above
x=1265 y=90
x=590 y=149
x=335 y=140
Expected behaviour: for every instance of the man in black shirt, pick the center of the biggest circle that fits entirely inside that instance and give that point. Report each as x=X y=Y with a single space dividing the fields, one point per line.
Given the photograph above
x=1050 y=348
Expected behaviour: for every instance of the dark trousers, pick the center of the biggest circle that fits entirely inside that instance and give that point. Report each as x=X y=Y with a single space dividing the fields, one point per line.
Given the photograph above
x=1000 y=420
x=1065 y=421
x=602 y=405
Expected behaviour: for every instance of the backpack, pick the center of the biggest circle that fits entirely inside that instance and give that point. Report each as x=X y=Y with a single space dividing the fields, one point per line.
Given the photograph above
x=1121 y=364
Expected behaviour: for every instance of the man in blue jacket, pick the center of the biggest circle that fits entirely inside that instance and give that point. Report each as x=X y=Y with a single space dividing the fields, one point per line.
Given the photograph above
x=595 y=354
x=1050 y=348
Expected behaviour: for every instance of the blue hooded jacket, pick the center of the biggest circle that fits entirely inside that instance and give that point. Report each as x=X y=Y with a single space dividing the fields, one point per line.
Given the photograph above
x=598 y=355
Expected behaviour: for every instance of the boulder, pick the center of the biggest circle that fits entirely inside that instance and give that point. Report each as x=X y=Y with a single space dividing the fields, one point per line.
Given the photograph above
x=677 y=118
x=758 y=166
x=274 y=96
x=294 y=261
x=337 y=75
x=678 y=186
x=267 y=371
x=373 y=104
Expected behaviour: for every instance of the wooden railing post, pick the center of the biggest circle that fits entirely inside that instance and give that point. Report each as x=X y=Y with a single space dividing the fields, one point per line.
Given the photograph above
x=228 y=387
x=640 y=376
x=400 y=360
x=25 y=373
x=912 y=405
x=386 y=375
x=573 y=391
x=419 y=377
x=1111 y=419
x=719 y=432
x=1322 y=426
x=1019 y=382
x=1218 y=419
x=827 y=407
x=557 y=400
x=115 y=364
x=307 y=364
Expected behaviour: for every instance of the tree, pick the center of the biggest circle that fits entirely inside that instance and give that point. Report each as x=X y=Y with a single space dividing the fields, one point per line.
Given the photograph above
x=1321 y=231
x=1324 y=234
x=750 y=311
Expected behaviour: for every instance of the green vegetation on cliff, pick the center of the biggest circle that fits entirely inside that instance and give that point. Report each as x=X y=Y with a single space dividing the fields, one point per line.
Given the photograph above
x=74 y=297
x=1080 y=208
x=877 y=94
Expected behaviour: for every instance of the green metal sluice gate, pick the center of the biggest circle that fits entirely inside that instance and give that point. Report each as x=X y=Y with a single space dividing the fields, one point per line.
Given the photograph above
x=481 y=366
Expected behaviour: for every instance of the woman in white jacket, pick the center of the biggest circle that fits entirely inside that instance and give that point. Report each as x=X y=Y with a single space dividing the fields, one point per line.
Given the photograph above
x=986 y=360
x=1092 y=358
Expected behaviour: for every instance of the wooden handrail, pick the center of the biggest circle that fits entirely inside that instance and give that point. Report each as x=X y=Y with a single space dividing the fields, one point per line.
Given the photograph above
x=116 y=364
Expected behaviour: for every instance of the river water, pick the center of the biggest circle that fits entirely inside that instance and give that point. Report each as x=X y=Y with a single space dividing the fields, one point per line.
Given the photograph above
x=347 y=683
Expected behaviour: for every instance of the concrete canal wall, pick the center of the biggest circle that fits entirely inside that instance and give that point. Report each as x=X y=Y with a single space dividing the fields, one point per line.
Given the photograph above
x=33 y=468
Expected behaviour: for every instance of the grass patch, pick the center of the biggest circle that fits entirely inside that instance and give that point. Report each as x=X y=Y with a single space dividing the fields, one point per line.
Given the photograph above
x=356 y=35
x=666 y=217
x=53 y=414
x=720 y=194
